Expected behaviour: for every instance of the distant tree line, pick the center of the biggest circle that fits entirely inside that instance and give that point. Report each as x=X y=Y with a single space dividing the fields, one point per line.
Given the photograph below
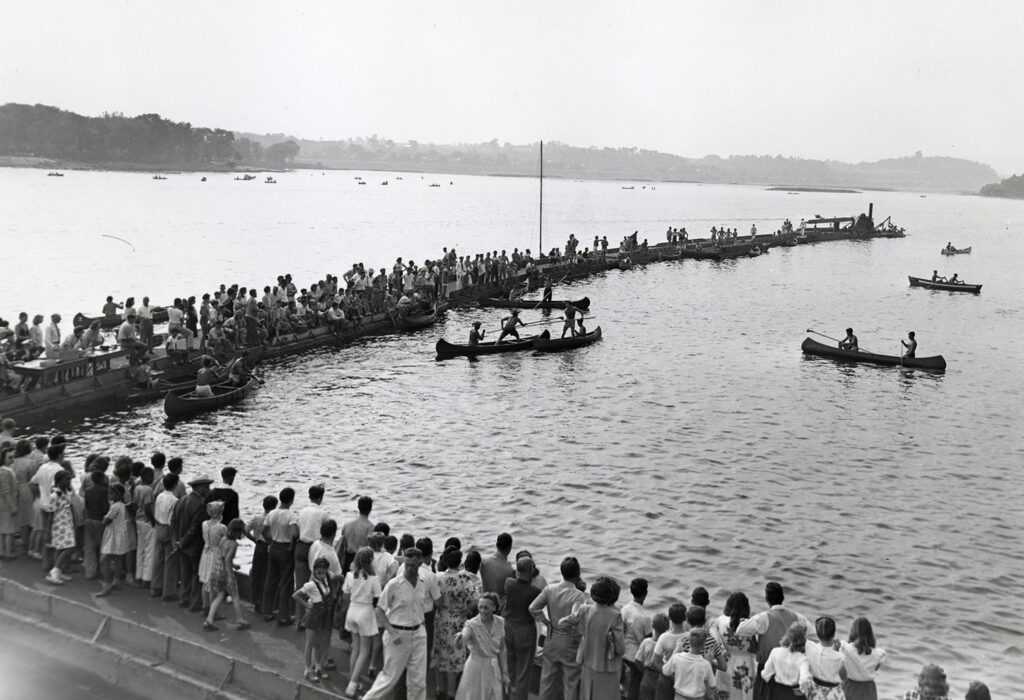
x=39 y=131
x=1012 y=186
x=562 y=160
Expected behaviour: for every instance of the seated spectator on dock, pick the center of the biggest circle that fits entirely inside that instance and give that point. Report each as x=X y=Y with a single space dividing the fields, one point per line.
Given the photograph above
x=128 y=339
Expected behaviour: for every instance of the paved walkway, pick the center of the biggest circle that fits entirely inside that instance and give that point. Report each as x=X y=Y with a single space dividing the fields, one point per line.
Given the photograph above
x=265 y=644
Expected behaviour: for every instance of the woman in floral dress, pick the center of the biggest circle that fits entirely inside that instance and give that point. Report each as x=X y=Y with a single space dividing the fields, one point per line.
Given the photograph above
x=485 y=676
x=736 y=682
x=62 y=529
x=213 y=531
x=459 y=592
x=24 y=467
x=222 y=581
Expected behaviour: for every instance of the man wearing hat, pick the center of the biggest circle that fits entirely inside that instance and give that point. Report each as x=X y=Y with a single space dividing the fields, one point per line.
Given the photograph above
x=128 y=339
x=508 y=326
x=187 y=539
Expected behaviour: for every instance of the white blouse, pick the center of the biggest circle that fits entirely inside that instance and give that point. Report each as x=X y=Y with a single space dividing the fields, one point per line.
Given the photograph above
x=825 y=662
x=861 y=667
x=787 y=667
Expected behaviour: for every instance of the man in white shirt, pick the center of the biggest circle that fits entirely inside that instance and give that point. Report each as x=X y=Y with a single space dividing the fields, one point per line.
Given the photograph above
x=43 y=478
x=324 y=547
x=165 y=559
x=280 y=529
x=638 y=626
x=145 y=314
x=384 y=565
x=400 y=614
x=770 y=627
x=309 y=519
x=51 y=336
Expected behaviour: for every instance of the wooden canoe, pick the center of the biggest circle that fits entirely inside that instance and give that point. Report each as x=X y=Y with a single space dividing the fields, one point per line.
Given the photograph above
x=813 y=347
x=945 y=286
x=412 y=323
x=110 y=322
x=542 y=344
x=183 y=403
x=583 y=303
x=445 y=349
x=957 y=251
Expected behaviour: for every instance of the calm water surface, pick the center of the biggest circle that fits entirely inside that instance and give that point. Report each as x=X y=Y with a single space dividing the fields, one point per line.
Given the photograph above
x=694 y=445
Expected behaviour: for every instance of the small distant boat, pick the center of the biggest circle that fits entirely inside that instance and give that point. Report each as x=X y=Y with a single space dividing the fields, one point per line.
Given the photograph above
x=181 y=403
x=54 y=174
x=945 y=286
x=203 y=179
x=384 y=183
x=246 y=178
x=361 y=182
x=628 y=188
x=270 y=181
x=398 y=178
x=358 y=178
x=583 y=303
x=435 y=184
x=159 y=177
x=957 y=251
x=813 y=347
x=545 y=343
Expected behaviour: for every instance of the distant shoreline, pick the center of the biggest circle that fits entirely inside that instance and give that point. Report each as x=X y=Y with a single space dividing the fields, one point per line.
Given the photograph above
x=833 y=190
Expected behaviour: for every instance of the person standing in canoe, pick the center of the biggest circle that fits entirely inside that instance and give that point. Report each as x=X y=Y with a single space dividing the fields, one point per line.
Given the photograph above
x=911 y=346
x=508 y=326
x=476 y=335
x=570 y=319
x=849 y=342
x=547 y=287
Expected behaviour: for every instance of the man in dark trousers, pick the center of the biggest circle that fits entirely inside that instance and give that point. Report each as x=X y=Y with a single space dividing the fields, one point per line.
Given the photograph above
x=187 y=538
x=225 y=493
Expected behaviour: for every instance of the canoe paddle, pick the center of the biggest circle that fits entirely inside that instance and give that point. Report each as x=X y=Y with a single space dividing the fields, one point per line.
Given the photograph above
x=836 y=340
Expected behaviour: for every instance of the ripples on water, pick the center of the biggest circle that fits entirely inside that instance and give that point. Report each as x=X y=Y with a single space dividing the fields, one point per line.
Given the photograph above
x=695 y=445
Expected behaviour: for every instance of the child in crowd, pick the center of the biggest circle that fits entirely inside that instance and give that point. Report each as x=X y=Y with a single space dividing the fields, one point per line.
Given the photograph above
x=691 y=674
x=825 y=662
x=114 y=545
x=316 y=597
x=786 y=671
x=62 y=526
x=665 y=648
x=646 y=660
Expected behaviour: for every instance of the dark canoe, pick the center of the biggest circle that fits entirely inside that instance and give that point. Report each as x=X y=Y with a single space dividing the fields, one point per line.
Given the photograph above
x=957 y=251
x=411 y=323
x=583 y=303
x=182 y=403
x=556 y=344
x=945 y=286
x=813 y=347
x=446 y=349
x=110 y=322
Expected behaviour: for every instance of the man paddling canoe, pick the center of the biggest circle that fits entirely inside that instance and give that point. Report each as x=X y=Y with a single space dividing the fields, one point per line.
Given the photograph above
x=849 y=342
x=570 y=319
x=476 y=335
x=910 y=346
x=936 y=277
x=509 y=324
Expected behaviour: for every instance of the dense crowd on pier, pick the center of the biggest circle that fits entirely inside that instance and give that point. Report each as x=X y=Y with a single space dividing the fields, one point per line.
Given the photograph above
x=402 y=603
x=235 y=316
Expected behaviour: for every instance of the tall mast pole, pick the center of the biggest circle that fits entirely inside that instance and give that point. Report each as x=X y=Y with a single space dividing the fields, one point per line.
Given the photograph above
x=540 y=249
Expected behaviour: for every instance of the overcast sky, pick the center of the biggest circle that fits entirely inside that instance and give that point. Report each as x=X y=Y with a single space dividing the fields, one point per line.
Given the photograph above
x=846 y=80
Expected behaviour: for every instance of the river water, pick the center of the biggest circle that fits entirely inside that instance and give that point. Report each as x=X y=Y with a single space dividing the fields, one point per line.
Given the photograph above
x=694 y=445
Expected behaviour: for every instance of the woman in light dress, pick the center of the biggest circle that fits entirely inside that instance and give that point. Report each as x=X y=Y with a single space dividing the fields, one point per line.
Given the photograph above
x=114 y=544
x=736 y=682
x=361 y=589
x=485 y=675
x=603 y=642
x=24 y=467
x=213 y=530
x=8 y=503
x=826 y=662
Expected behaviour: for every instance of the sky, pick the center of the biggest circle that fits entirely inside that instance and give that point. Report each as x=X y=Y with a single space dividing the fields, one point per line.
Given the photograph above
x=850 y=81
